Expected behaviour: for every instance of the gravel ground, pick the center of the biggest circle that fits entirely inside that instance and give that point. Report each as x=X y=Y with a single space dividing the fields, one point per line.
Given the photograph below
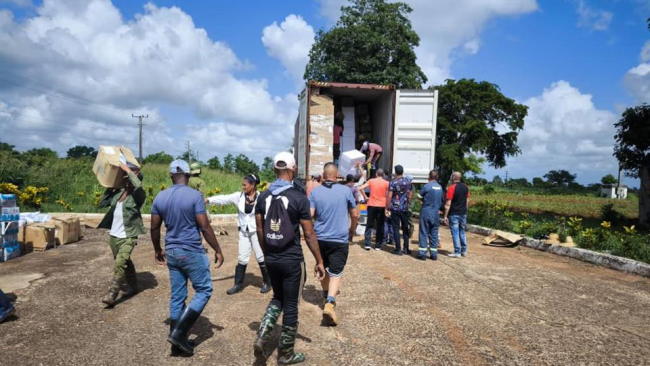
x=499 y=306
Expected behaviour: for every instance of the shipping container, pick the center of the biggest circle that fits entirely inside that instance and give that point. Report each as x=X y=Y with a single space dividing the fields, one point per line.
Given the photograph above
x=402 y=122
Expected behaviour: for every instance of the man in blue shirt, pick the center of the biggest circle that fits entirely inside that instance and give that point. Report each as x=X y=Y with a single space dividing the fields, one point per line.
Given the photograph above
x=432 y=201
x=183 y=211
x=330 y=205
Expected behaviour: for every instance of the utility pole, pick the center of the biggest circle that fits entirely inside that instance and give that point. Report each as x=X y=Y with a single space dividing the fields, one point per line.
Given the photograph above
x=189 y=152
x=140 y=124
x=506 y=176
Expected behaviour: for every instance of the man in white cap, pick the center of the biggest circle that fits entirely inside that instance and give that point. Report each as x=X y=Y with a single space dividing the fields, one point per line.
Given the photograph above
x=183 y=211
x=280 y=213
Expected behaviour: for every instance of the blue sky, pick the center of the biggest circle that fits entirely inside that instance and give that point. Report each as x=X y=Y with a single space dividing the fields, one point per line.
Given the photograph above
x=576 y=63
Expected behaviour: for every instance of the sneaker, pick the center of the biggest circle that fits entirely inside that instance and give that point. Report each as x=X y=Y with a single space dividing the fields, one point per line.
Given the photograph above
x=329 y=316
x=463 y=254
x=396 y=252
x=366 y=247
x=378 y=247
x=453 y=255
x=422 y=257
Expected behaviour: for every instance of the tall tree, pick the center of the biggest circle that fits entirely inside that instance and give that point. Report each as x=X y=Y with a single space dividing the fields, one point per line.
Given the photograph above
x=373 y=43
x=40 y=156
x=81 y=151
x=633 y=153
x=244 y=165
x=188 y=156
x=497 y=181
x=538 y=182
x=560 y=178
x=608 y=179
x=158 y=158
x=229 y=163
x=214 y=163
x=470 y=117
x=267 y=173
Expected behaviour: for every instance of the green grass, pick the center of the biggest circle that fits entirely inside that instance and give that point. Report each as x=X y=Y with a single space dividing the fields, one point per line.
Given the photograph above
x=74 y=182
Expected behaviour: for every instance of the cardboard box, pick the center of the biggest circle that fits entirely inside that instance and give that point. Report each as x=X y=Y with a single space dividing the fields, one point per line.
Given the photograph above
x=107 y=165
x=39 y=237
x=67 y=229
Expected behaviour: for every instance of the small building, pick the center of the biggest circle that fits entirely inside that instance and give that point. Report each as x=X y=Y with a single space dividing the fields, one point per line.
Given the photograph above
x=613 y=191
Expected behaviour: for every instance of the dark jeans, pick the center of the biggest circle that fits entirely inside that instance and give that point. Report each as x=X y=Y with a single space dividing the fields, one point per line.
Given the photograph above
x=287 y=280
x=5 y=305
x=400 y=218
x=337 y=151
x=376 y=218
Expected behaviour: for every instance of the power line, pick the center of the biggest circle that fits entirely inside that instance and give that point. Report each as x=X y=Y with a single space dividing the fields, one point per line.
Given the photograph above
x=140 y=124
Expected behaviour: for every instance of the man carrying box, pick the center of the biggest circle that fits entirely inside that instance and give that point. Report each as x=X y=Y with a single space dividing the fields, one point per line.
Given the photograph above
x=125 y=224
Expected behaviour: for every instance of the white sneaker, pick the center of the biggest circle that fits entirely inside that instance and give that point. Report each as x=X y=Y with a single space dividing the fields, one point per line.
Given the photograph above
x=453 y=255
x=464 y=254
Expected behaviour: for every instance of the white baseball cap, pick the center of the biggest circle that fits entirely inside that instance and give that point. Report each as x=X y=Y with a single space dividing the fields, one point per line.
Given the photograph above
x=285 y=157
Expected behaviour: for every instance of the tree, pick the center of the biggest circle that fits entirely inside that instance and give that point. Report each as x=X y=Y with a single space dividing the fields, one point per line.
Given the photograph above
x=214 y=163
x=267 y=173
x=188 y=156
x=518 y=183
x=372 y=43
x=561 y=178
x=229 y=163
x=81 y=151
x=40 y=156
x=245 y=166
x=497 y=181
x=608 y=179
x=632 y=150
x=158 y=158
x=470 y=117
x=538 y=182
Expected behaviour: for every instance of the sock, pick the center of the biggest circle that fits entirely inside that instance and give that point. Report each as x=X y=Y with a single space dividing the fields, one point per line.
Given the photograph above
x=331 y=298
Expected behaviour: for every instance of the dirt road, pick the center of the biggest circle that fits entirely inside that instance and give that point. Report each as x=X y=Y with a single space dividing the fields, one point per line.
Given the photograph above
x=499 y=306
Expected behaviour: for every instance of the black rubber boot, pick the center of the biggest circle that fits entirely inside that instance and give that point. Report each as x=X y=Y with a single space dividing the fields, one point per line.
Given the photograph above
x=113 y=291
x=240 y=272
x=178 y=335
x=266 y=278
x=177 y=352
x=266 y=330
x=130 y=286
x=286 y=354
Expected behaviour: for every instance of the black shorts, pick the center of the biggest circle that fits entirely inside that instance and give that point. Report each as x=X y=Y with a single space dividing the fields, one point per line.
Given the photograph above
x=335 y=256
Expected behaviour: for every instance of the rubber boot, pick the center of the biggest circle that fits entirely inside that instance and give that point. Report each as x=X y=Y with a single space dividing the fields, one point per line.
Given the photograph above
x=240 y=272
x=6 y=308
x=178 y=335
x=266 y=278
x=266 y=330
x=177 y=352
x=113 y=291
x=130 y=286
x=286 y=354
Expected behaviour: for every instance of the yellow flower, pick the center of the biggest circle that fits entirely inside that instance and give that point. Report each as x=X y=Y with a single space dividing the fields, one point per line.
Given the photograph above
x=630 y=230
x=606 y=224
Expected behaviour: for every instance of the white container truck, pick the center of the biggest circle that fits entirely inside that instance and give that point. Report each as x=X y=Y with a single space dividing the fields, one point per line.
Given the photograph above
x=402 y=122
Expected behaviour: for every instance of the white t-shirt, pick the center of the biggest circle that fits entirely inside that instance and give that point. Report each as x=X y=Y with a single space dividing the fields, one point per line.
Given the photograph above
x=117 y=229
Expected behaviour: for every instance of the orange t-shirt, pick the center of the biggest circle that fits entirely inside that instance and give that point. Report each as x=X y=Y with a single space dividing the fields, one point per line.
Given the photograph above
x=378 y=192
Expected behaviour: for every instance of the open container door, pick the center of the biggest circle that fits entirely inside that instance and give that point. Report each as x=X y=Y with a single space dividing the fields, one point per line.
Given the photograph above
x=414 y=144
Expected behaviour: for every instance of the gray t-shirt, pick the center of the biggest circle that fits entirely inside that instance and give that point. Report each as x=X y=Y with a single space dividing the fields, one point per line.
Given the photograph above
x=332 y=202
x=178 y=207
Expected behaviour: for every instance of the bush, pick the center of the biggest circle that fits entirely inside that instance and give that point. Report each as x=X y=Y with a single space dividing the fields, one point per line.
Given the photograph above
x=609 y=214
x=489 y=189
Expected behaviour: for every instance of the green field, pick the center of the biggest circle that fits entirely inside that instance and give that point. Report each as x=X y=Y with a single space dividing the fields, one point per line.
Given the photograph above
x=72 y=183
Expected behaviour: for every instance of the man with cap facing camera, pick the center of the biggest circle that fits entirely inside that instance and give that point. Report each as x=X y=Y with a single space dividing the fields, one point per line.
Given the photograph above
x=279 y=214
x=124 y=221
x=183 y=211
x=195 y=180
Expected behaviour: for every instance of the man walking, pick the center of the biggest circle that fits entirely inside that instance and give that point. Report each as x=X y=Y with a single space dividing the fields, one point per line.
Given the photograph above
x=280 y=213
x=397 y=206
x=183 y=211
x=331 y=204
x=432 y=201
x=124 y=221
x=456 y=214
x=376 y=208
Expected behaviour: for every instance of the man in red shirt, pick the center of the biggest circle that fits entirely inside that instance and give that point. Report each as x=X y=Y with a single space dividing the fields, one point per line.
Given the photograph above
x=376 y=208
x=456 y=214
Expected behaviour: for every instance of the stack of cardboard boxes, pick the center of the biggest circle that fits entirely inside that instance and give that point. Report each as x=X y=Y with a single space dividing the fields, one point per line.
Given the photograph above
x=9 y=245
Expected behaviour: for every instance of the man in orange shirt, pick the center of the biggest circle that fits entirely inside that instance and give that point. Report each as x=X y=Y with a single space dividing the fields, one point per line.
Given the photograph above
x=376 y=208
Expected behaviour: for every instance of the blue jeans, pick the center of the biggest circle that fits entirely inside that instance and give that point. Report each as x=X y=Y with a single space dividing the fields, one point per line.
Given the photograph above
x=184 y=265
x=429 y=225
x=5 y=304
x=457 y=225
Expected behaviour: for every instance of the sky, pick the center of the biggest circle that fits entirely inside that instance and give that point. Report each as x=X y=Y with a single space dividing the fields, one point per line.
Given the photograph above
x=225 y=75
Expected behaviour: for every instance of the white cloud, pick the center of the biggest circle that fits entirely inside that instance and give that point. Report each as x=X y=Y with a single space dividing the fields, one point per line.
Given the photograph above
x=158 y=59
x=290 y=42
x=446 y=26
x=594 y=19
x=637 y=79
x=564 y=130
